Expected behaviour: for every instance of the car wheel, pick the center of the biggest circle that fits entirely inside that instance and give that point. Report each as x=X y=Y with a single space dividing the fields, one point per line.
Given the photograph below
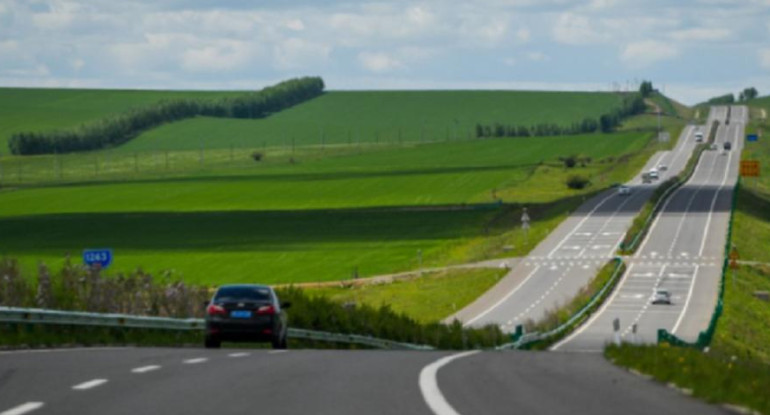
x=212 y=343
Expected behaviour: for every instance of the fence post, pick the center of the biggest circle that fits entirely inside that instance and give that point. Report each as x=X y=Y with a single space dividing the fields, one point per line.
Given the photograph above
x=166 y=160
x=18 y=172
x=136 y=162
x=1 y=170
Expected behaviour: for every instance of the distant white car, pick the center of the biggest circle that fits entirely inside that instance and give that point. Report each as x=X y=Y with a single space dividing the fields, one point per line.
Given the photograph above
x=654 y=173
x=624 y=190
x=661 y=297
x=698 y=136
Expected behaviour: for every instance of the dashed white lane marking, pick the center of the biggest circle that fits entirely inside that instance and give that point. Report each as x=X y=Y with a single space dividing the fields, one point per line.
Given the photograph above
x=238 y=354
x=89 y=385
x=687 y=302
x=429 y=385
x=502 y=300
x=195 y=361
x=145 y=369
x=277 y=351
x=23 y=408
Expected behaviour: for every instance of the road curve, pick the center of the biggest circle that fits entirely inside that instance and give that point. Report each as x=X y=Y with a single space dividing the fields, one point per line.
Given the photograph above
x=682 y=253
x=555 y=271
x=237 y=381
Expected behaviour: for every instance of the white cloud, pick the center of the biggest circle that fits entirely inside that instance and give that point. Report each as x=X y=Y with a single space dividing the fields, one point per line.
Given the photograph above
x=574 y=29
x=510 y=61
x=296 y=25
x=77 y=64
x=538 y=57
x=645 y=53
x=298 y=53
x=764 y=58
x=700 y=34
x=220 y=56
x=379 y=62
x=523 y=35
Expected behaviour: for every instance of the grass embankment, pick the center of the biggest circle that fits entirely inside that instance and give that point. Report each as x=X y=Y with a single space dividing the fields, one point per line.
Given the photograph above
x=76 y=288
x=429 y=298
x=309 y=222
x=736 y=368
x=562 y=314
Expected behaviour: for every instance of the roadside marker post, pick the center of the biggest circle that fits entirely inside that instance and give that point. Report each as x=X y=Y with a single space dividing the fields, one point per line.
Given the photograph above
x=616 y=329
x=734 y=256
x=525 y=224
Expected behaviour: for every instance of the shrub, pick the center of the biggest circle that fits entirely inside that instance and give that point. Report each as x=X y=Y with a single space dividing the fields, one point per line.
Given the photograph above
x=577 y=182
x=257 y=156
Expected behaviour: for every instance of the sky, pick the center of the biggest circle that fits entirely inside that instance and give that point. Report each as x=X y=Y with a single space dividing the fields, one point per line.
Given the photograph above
x=691 y=49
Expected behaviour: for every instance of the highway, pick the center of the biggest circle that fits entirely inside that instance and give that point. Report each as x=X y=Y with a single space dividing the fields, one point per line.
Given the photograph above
x=682 y=254
x=238 y=381
x=565 y=261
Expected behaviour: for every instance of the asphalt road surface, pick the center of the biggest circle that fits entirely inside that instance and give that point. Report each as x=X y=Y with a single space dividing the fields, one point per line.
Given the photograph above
x=239 y=381
x=682 y=254
x=556 y=270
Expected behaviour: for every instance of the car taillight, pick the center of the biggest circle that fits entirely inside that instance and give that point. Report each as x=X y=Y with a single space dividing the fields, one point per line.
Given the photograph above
x=214 y=310
x=266 y=309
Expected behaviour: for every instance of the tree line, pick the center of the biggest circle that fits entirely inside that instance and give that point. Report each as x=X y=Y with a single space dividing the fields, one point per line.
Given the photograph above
x=631 y=105
x=116 y=130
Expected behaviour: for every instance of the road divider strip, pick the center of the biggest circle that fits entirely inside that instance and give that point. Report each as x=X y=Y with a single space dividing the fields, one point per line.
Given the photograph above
x=523 y=340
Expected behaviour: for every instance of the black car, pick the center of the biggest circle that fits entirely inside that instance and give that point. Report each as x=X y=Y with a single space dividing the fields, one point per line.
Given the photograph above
x=246 y=313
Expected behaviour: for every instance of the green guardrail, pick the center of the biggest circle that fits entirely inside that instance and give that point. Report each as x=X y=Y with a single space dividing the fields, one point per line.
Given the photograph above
x=521 y=340
x=705 y=336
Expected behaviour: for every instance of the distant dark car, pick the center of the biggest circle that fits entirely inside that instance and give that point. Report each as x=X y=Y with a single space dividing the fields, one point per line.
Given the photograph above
x=727 y=145
x=246 y=313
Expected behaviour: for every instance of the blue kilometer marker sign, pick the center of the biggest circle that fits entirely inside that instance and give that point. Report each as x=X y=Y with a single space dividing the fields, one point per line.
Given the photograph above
x=103 y=257
x=751 y=137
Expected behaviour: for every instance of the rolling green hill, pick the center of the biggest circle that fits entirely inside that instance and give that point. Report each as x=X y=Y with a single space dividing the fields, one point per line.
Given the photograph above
x=380 y=116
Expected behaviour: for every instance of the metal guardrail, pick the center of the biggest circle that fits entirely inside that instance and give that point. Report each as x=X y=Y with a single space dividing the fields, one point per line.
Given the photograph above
x=79 y=318
x=529 y=338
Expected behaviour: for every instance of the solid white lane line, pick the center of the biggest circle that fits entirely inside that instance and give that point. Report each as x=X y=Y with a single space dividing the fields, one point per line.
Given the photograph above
x=238 y=354
x=277 y=351
x=429 y=385
x=596 y=315
x=686 y=302
x=195 y=361
x=145 y=369
x=90 y=384
x=23 y=408
x=716 y=194
x=74 y=349
x=502 y=300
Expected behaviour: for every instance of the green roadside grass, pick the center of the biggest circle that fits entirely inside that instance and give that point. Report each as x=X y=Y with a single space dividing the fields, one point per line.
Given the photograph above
x=428 y=298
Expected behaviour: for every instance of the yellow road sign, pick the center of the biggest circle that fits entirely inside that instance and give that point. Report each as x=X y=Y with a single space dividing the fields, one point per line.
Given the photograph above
x=750 y=168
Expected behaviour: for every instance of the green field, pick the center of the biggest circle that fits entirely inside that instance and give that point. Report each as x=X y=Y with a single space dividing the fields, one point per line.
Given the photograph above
x=305 y=222
x=29 y=109
x=369 y=180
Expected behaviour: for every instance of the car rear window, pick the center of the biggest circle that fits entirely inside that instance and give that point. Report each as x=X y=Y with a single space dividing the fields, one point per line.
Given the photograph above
x=243 y=293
